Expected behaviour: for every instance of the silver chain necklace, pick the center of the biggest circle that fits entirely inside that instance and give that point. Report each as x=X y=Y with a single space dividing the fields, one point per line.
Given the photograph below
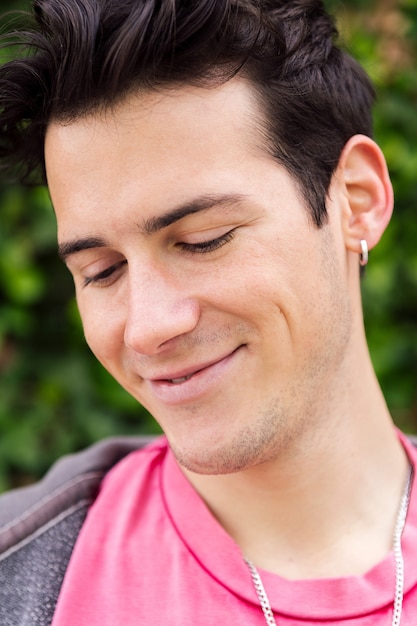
x=398 y=558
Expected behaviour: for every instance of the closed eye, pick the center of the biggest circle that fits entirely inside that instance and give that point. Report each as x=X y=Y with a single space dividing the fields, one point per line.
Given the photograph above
x=106 y=277
x=204 y=247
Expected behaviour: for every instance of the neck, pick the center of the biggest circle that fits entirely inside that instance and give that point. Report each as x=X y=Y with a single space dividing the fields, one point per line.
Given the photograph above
x=327 y=505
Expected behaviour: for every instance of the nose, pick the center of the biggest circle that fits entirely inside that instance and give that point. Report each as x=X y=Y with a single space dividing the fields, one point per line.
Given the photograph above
x=159 y=310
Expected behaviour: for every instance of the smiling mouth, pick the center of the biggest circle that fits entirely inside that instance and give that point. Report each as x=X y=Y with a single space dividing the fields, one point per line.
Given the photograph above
x=182 y=379
x=187 y=386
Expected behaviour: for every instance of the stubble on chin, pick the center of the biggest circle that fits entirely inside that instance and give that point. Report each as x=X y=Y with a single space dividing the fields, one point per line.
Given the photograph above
x=254 y=444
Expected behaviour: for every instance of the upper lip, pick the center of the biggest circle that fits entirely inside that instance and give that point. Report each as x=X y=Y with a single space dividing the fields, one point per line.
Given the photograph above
x=187 y=371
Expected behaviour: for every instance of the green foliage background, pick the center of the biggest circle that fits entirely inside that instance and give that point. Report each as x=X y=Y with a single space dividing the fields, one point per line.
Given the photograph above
x=55 y=398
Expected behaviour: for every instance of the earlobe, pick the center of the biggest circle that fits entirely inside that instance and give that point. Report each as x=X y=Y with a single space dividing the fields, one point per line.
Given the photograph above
x=363 y=174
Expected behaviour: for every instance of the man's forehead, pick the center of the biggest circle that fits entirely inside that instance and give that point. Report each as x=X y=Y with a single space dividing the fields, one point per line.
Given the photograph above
x=170 y=101
x=170 y=137
x=139 y=162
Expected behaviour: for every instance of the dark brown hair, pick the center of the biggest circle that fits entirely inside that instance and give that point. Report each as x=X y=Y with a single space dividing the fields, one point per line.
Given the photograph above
x=81 y=55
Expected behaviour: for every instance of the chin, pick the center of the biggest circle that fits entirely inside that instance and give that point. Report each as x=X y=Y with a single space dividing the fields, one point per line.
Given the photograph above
x=224 y=458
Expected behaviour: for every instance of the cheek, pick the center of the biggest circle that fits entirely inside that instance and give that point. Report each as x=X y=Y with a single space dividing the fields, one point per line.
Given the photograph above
x=103 y=331
x=302 y=291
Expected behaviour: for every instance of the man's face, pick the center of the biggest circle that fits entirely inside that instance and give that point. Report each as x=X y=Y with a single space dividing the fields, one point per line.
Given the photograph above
x=202 y=284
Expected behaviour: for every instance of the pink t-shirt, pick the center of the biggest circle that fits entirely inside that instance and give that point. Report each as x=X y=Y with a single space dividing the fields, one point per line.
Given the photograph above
x=151 y=553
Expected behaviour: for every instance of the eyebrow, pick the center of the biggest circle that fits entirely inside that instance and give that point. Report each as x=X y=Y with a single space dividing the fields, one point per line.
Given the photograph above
x=203 y=203
x=78 y=245
x=155 y=224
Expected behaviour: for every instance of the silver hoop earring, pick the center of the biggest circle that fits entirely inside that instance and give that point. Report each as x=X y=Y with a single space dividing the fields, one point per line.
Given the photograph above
x=364 y=256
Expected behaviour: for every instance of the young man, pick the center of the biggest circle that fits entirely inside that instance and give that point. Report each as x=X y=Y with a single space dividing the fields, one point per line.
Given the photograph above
x=216 y=188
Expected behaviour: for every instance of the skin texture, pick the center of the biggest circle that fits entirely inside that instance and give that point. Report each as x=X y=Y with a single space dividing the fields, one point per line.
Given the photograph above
x=193 y=252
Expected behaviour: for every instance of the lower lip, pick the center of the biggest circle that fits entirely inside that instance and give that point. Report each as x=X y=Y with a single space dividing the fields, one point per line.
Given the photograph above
x=198 y=385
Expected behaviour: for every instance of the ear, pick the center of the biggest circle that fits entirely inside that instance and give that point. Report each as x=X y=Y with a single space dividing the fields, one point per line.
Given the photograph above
x=362 y=171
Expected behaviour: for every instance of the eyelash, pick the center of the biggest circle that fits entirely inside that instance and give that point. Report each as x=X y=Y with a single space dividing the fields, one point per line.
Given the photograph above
x=104 y=277
x=203 y=247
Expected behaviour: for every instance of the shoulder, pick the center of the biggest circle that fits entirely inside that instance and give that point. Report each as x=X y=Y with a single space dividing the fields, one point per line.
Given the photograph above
x=40 y=524
x=72 y=480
